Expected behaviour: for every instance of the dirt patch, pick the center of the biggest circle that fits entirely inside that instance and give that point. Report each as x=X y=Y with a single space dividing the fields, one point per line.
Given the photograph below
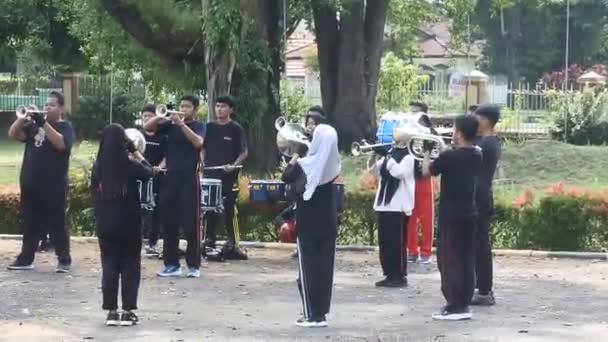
x=257 y=300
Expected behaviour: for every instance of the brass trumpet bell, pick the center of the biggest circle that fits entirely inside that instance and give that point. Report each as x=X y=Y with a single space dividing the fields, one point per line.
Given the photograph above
x=162 y=110
x=290 y=137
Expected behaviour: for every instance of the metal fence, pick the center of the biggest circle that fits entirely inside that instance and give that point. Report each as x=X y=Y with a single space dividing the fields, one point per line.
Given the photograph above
x=25 y=91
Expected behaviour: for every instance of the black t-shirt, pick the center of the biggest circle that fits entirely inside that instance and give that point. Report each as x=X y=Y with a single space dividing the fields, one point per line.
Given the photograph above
x=459 y=170
x=224 y=143
x=43 y=165
x=155 y=145
x=491 y=150
x=180 y=154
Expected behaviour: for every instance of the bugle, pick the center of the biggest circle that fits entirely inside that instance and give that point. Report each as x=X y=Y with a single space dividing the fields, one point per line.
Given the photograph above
x=24 y=112
x=162 y=110
x=357 y=149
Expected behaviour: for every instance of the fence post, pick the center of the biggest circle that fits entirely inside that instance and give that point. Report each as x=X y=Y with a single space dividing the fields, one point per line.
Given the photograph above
x=71 y=88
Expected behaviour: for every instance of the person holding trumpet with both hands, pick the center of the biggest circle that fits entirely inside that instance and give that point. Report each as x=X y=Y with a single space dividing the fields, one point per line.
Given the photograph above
x=43 y=182
x=180 y=198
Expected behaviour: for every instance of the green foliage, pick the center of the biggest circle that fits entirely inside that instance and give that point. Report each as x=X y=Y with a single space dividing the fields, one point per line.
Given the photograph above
x=398 y=83
x=403 y=20
x=293 y=102
x=94 y=112
x=557 y=222
x=580 y=117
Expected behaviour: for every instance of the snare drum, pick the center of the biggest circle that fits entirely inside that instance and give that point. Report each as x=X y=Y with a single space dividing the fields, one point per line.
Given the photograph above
x=146 y=194
x=211 y=194
x=267 y=191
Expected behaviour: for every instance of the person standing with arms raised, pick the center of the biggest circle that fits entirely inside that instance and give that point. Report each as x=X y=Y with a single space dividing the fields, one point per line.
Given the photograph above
x=180 y=198
x=44 y=181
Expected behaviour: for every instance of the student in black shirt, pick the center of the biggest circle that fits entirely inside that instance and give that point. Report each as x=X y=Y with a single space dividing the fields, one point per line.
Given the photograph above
x=225 y=145
x=44 y=181
x=489 y=143
x=155 y=155
x=459 y=169
x=180 y=198
x=118 y=221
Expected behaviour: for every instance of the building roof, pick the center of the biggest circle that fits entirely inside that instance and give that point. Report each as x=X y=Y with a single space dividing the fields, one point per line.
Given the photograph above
x=435 y=40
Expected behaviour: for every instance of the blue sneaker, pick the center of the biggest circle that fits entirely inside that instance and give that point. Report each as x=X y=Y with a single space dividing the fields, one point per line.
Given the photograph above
x=193 y=272
x=170 y=271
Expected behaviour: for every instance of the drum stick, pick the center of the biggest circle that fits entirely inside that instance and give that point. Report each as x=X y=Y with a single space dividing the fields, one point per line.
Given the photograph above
x=222 y=167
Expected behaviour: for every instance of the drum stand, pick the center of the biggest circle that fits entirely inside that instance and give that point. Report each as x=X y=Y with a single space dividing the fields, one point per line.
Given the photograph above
x=208 y=252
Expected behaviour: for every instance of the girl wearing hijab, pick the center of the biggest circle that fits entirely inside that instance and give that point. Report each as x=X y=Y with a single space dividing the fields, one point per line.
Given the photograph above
x=310 y=180
x=118 y=221
x=393 y=204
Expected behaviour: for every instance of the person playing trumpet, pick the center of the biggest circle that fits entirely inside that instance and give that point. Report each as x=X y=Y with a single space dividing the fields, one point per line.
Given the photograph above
x=180 y=198
x=43 y=182
x=393 y=204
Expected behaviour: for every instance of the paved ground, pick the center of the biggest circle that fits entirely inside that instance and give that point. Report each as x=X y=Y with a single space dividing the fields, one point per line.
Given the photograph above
x=257 y=300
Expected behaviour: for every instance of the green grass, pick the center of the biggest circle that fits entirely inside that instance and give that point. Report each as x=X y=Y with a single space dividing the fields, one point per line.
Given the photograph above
x=11 y=156
x=533 y=164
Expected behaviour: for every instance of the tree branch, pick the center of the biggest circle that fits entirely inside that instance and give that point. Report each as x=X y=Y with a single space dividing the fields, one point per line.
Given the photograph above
x=162 y=37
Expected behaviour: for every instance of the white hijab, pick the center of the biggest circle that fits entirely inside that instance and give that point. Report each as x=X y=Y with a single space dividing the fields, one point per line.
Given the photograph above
x=322 y=163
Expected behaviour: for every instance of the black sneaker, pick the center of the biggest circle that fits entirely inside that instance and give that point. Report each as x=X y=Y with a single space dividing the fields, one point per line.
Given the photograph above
x=450 y=314
x=63 y=267
x=234 y=253
x=392 y=282
x=112 y=319
x=483 y=300
x=151 y=251
x=19 y=265
x=45 y=246
x=128 y=318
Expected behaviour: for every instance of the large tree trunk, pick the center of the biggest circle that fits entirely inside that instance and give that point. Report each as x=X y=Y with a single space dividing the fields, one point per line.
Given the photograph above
x=349 y=52
x=261 y=20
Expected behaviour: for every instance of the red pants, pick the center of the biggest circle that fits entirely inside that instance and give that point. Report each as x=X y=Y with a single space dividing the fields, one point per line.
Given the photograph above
x=423 y=214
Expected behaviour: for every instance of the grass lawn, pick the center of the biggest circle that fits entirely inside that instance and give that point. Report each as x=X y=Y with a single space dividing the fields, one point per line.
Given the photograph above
x=11 y=156
x=533 y=164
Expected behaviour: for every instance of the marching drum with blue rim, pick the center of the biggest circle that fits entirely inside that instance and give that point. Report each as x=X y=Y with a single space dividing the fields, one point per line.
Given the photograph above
x=211 y=194
x=146 y=194
x=267 y=191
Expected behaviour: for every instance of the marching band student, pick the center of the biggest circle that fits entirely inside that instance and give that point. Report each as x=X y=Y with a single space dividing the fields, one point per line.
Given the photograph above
x=459 y=169
x=48 y=143
x=180 y=198
x=118 y=221
x=311 y=180
x=155 y=155
x=423 y=212
x=488 y=116
x=225 y=145
x=393 y=204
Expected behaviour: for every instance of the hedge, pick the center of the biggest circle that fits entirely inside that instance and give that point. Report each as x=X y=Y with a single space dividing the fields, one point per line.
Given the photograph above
x=562 y=219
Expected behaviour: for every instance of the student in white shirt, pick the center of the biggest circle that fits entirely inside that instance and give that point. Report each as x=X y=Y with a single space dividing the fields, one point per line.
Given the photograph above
x=393 y=203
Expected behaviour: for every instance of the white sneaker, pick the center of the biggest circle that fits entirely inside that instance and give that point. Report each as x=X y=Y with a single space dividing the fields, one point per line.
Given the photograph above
x=446 y=315
x=303 y=322
x=193 y=272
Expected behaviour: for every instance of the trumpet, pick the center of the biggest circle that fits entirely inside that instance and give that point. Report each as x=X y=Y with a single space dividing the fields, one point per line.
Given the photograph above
x=24 y=112
x=357 y=149
x=162 y=110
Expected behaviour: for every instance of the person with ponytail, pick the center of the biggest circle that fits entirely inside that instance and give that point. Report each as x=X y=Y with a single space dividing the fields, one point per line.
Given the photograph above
x=118 y=221
x=393 y=204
